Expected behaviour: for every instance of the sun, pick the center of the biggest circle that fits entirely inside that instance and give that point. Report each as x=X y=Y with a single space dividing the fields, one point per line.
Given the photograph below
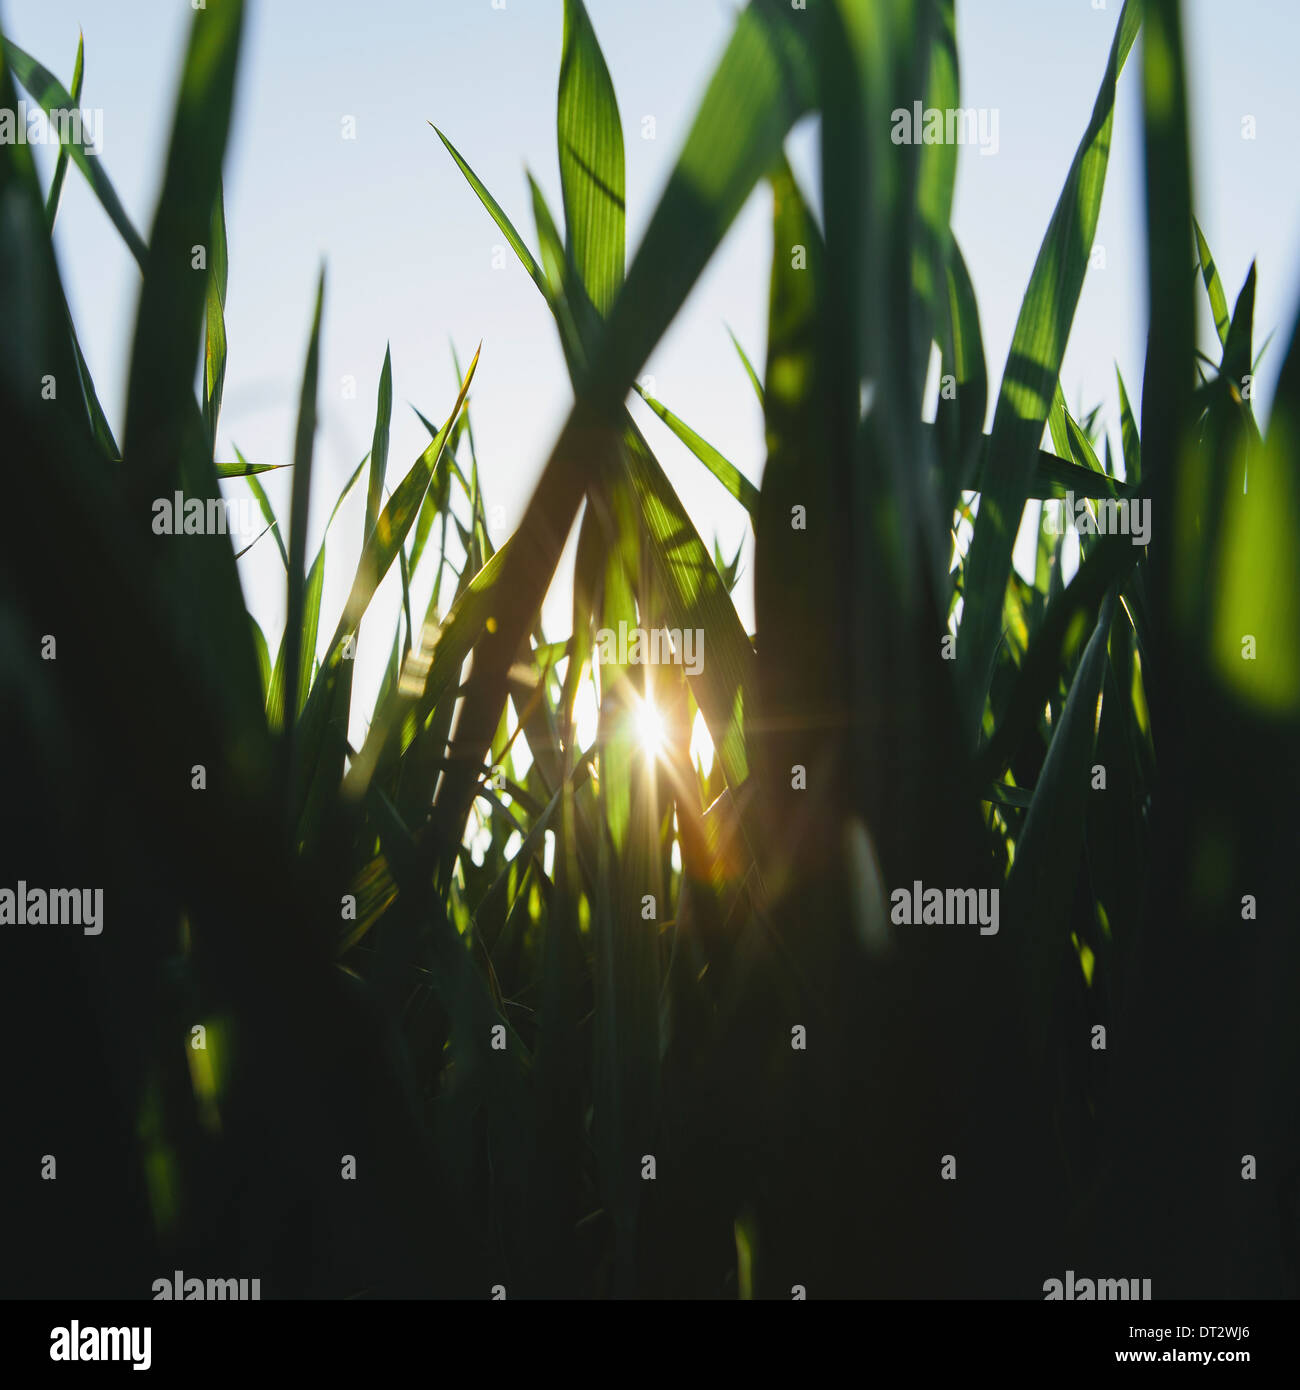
x=652 y=732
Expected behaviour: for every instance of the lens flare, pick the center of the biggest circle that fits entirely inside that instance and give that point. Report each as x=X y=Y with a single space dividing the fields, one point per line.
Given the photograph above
x=652 y=733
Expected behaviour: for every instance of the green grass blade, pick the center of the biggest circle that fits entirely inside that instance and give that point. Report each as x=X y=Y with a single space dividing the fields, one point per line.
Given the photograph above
x=1033 y=366
x=1129 y=437
x=762 y=85
x=526 y=257
x=384 y=540
x=166 y=448
x=274 y=686
x=214 y=352
x=936 y=176
x=311 y=606
x=760 y=88
x=1257 y=587
x=959 y=418
x=297 y=655
x=433 y=507
x=722 y=469
x=379 y=445
x=697 y=600
x=748 y=366
x=1167 y=402
x=244 y=469
x=575 y=315
x=455 y=639
x=51 y=95
x=616 y=736
x=1048 y=849
x=263 y=655
x=1081 y=447
x=160 y=391
x=264 y=502
x=798 y=670
x=1213 y=285
x=98 y=420
x=591 y=160
x=1068 y=614
x=61 y=165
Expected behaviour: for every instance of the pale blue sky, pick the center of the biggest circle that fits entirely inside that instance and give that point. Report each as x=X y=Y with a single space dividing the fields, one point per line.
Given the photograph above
x=408 y=248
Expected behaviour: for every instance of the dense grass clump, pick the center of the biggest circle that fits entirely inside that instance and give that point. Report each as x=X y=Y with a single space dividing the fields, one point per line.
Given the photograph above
x=601 y=1020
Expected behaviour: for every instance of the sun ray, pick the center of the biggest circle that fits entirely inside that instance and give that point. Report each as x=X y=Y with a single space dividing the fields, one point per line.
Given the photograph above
x=652 y=732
